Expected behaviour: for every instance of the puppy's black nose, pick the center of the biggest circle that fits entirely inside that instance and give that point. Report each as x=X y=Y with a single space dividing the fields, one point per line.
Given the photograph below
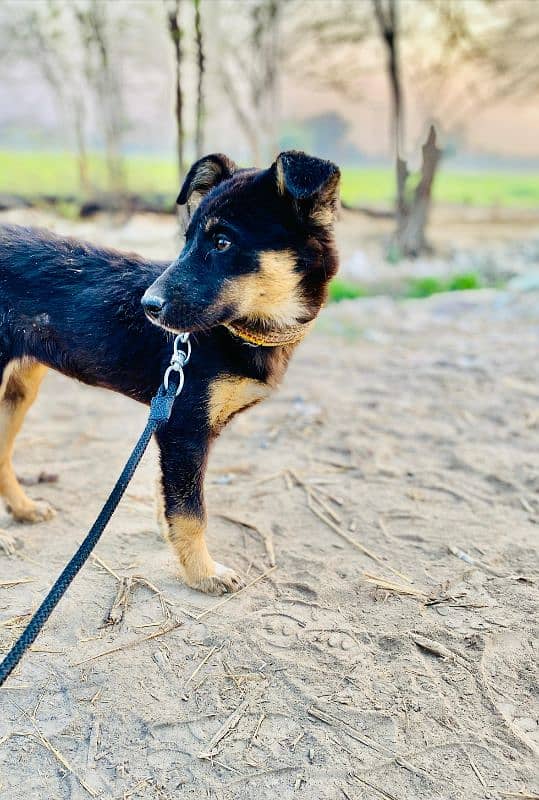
x=152 y=305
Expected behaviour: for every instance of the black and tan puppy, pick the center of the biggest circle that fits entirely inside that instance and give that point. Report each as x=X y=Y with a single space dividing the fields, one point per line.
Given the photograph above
x=253 y=274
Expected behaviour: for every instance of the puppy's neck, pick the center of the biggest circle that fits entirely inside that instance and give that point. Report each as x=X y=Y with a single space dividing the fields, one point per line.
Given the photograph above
x=265 y=335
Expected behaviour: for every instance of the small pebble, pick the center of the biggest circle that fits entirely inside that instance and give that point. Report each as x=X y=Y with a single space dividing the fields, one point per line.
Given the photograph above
x=334 y=640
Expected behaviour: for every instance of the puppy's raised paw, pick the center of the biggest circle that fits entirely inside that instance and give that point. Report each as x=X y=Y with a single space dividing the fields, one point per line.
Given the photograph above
x=223 y=581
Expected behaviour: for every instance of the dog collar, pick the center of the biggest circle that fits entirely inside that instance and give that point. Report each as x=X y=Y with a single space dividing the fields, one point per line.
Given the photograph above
x=269 y=338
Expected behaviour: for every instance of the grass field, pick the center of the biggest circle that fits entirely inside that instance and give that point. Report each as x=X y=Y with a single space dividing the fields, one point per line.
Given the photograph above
x=481 y=189
x=37 y=173
x=342 y=289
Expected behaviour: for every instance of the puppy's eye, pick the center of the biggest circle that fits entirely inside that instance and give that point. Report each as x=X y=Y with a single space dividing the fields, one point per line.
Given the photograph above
x=221 y=242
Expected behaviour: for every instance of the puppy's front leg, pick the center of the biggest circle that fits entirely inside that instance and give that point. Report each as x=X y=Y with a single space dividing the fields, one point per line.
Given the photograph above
x=183 y=466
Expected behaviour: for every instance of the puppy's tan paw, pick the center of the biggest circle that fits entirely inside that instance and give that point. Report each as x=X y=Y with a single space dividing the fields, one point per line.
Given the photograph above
x=223 y=581
x=34 y=512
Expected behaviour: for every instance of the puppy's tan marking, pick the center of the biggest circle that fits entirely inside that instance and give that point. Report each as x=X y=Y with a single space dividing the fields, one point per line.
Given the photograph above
x=18 y=391
x=271 y=294
x=325 y=209
x=323 y=216
x=279 y=170
x=231 y=394
x=186 y=534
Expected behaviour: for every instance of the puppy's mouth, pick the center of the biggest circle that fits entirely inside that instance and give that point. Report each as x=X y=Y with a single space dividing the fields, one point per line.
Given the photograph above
x=177 y=318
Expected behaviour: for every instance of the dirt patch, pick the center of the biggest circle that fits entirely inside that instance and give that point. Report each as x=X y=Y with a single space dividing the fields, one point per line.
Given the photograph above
x=392 y=652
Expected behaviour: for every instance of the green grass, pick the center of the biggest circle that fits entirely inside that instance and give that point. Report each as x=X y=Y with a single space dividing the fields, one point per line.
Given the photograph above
x=425 y=287
x=511 y=190
x=39 y=173
x=340 y=289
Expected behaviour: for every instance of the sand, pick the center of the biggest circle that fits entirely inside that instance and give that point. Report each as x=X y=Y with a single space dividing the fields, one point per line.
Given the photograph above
x=391 y=652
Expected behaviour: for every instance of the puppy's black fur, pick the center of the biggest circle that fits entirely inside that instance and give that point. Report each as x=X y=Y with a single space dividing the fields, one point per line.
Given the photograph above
x=258 y=255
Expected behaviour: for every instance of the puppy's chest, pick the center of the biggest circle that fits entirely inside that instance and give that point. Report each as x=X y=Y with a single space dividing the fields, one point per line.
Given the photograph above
x=230 y=394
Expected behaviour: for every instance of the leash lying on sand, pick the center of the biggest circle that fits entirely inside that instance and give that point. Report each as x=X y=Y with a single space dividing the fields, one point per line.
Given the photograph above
x=160 y=411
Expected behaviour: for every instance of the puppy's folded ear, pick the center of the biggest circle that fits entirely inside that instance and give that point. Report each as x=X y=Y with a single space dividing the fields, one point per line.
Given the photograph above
x=312 y=183
x=203 y=176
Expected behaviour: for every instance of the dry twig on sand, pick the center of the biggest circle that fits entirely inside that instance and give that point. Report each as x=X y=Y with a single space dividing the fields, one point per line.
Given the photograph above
x=127 y=645
x=266 y=536
x=397 y=588
x=524 y=795
x=204 y=661
x=14 y=582
x=380 y=791
x=229 y=724
x=435 y=648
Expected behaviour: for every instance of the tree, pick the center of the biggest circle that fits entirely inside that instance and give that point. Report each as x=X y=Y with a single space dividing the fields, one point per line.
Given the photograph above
x=414 y=206
x=200 y=64
x=353 y=28
x=93 y=18
x=249 y=71
x=43 y=33
x=388 y=24
x=176 y=32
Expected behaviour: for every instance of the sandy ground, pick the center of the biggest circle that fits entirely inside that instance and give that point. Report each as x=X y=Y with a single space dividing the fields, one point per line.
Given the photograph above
x=391 y=653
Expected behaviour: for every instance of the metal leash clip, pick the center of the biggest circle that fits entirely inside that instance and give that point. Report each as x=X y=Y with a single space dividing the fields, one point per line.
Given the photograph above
x=178 y=361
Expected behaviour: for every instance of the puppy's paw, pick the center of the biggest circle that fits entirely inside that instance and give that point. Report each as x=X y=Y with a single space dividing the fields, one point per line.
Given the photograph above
x=34 y=512
x=223 y=581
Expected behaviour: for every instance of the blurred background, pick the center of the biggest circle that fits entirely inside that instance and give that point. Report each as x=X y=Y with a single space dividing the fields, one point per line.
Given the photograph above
x=430 y=107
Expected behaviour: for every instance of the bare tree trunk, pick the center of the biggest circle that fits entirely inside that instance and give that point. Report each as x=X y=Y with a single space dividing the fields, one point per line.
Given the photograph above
x=244 y=120
x=80 y=140
x=175 y=31
x=272 y=74
x=109 y=99
x=410 y=234
x=93 y=24
x=412 y=214
x=388 y=26
x=265 y=47
x=199 y=111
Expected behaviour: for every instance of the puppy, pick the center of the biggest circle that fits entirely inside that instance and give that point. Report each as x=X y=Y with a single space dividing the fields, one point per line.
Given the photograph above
x=253 y=274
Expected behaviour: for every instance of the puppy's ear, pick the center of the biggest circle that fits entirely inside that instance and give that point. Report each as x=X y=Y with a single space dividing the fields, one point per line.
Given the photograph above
x=203 y=176
x=312 y=183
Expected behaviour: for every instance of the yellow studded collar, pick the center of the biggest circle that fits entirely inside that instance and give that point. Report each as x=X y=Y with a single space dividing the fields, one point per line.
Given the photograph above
x=278 y=337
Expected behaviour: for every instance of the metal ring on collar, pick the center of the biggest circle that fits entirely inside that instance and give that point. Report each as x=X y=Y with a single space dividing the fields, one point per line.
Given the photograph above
x=179 y=370
x=182 y=338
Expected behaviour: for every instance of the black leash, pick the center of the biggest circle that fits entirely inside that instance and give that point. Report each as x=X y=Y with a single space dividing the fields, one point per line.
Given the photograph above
x=160 y=411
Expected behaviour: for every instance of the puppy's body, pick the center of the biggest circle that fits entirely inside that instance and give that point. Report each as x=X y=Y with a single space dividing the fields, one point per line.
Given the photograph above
x=77 y=309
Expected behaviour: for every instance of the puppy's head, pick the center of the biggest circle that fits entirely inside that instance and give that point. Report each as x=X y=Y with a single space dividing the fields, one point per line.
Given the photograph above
x=259 y=247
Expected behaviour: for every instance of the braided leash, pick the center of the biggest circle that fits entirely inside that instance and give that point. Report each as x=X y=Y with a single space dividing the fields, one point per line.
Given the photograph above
x=160 y=411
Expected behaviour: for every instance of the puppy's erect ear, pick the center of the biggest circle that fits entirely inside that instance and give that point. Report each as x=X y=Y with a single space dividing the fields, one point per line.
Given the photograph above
x=311 y=182
x=203 y=176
